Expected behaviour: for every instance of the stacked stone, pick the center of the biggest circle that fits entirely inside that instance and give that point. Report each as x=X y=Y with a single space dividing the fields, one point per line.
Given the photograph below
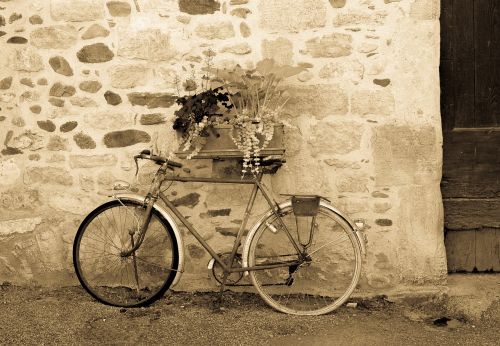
x=85 y=84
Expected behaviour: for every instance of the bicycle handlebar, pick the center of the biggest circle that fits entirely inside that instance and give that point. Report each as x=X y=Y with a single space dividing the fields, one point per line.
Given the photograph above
x=146 y=155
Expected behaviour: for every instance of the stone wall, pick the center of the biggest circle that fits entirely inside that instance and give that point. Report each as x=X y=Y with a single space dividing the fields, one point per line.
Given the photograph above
x=85 y=84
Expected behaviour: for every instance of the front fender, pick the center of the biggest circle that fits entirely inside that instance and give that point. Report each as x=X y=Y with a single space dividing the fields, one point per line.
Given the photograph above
x=164 y=212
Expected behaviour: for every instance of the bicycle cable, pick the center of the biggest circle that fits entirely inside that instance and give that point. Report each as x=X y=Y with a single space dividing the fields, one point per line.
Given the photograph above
x=169 y=185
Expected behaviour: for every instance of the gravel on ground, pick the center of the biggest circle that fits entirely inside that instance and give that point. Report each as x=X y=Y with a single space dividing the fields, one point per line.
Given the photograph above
x=68 y=316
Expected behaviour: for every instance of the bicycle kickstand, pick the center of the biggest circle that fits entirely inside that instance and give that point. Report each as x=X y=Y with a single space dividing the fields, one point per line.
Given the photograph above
x=218 y=301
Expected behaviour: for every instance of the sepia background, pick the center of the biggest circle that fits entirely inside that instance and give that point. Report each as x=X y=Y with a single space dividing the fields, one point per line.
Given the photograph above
x=87 y=84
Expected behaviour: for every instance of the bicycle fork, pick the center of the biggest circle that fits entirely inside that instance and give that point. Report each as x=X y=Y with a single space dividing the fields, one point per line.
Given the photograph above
x=142 y=230
x=134 y=260
x=150 y=201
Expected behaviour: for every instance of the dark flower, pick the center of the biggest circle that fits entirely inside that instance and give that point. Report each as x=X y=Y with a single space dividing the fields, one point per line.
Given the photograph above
x=195 y=107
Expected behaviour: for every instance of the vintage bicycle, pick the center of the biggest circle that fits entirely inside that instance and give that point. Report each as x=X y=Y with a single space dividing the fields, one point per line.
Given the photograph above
x=303 y=256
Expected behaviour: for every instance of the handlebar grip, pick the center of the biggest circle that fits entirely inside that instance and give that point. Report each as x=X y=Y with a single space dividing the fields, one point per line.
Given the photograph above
x=174 y=164
x=146 y=155
x=161 y=159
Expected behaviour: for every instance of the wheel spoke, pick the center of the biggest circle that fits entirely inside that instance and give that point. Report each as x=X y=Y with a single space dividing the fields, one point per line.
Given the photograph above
x=105 y=232
x=333 y=242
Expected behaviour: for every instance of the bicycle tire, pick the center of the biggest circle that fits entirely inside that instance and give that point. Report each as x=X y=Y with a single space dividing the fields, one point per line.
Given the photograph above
x=313 y=288
x=111 y=278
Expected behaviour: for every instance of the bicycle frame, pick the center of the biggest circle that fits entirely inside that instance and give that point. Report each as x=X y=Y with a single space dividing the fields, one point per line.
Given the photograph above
x=155 y=193
x=257 y=187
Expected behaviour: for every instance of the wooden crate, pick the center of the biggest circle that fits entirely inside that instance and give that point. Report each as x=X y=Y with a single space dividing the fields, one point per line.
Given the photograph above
x=221 y=146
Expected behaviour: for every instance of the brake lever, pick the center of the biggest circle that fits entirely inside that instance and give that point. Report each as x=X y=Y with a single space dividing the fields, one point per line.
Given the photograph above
x=136 y=159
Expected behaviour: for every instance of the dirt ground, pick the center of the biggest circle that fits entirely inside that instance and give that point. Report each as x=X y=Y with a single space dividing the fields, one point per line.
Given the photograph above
x=68 y=316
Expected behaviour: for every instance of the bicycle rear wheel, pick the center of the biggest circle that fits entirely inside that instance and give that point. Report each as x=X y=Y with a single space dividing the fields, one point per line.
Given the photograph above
x=322 y=281
x=135 y=280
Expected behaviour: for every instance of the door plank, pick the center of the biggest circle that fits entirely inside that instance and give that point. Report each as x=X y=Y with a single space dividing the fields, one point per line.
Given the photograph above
x=461 y=250
x=486 y=28
x=464 y=92
x=463 y=29
x=466 y=214
x=471 y=163
x=446 y=67
x=446 y=20
x=458 y=76
x=487 y=60
x=473 y=250
x=488 y=250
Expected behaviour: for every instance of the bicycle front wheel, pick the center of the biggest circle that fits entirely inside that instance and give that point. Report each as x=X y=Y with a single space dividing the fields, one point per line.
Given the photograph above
x=320 y=281
x=109 y=276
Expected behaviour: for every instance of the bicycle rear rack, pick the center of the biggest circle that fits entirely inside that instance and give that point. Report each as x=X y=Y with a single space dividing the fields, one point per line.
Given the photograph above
x=305 y=205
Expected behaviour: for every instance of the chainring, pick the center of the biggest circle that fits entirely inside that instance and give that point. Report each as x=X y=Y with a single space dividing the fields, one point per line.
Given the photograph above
x=218 y=272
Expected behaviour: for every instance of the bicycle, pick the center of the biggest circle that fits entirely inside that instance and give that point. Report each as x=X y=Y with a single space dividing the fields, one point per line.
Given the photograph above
x=303 y=256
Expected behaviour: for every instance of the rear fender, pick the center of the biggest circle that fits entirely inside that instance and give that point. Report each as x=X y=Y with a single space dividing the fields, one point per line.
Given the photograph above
x=357 y=232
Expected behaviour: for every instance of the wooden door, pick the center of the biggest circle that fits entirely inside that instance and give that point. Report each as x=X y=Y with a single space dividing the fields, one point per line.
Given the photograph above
x=470 y=107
